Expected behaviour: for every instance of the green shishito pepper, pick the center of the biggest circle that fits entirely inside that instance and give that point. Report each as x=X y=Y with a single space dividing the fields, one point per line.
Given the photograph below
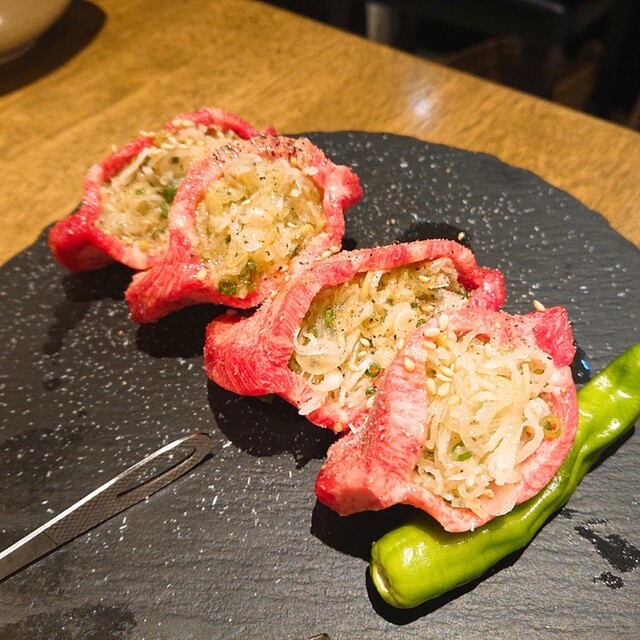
x=419 y=560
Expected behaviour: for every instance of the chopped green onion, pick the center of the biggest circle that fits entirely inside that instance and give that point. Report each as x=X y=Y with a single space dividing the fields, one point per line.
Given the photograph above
x=373 y=370
x=227 y=240
x=164 y=211
x=169 y=193
x=328 y=316
x=228 y=287
x=139 y=191
x=460 y=452
x=552 y=427
x=248 y=272
x=371 y=390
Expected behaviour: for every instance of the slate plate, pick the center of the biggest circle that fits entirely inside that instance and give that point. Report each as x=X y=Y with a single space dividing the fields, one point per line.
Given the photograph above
x=239 y=548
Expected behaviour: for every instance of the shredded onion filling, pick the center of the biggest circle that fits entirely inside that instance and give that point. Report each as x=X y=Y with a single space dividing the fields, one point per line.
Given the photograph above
x=487 y=413
x=352 y=331
x=254 y=219
x=136 y=202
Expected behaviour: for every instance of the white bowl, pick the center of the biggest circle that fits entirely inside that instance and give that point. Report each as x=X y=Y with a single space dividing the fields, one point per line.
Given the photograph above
x=23 y=21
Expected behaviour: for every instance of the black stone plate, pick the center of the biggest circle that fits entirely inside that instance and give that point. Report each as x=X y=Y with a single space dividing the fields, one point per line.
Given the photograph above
x=239 y=548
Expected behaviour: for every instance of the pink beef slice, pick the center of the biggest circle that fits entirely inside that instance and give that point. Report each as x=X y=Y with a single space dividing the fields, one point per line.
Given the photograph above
x=250 y=355
x=373 y=468
x=177 y=280
x=79 y=244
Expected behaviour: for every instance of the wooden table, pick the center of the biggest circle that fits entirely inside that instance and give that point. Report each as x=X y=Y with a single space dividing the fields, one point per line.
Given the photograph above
x=85 y=393
x=110 y=68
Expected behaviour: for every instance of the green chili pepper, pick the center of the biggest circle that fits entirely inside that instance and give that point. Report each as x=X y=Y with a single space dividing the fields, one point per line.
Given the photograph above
x=419 y=560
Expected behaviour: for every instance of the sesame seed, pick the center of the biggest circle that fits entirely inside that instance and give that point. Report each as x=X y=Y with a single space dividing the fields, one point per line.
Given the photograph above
x=447 y=359
x=431 y=332
x=443 y=321
x=431 y=386
x=453 y=400
x=364 y=342
x=489 y=351
x=409 y=364
x=446 y=371
x=538 y=306
x=444 y=389
x=423 y=278
x=370 y=402
x=325 y=254
x=353 y=367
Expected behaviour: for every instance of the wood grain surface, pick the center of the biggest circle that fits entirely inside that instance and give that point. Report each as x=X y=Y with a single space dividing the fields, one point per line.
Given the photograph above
x=110 y=68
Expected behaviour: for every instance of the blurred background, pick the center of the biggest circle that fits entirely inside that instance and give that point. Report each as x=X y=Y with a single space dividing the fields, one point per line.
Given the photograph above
x=584 y=54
